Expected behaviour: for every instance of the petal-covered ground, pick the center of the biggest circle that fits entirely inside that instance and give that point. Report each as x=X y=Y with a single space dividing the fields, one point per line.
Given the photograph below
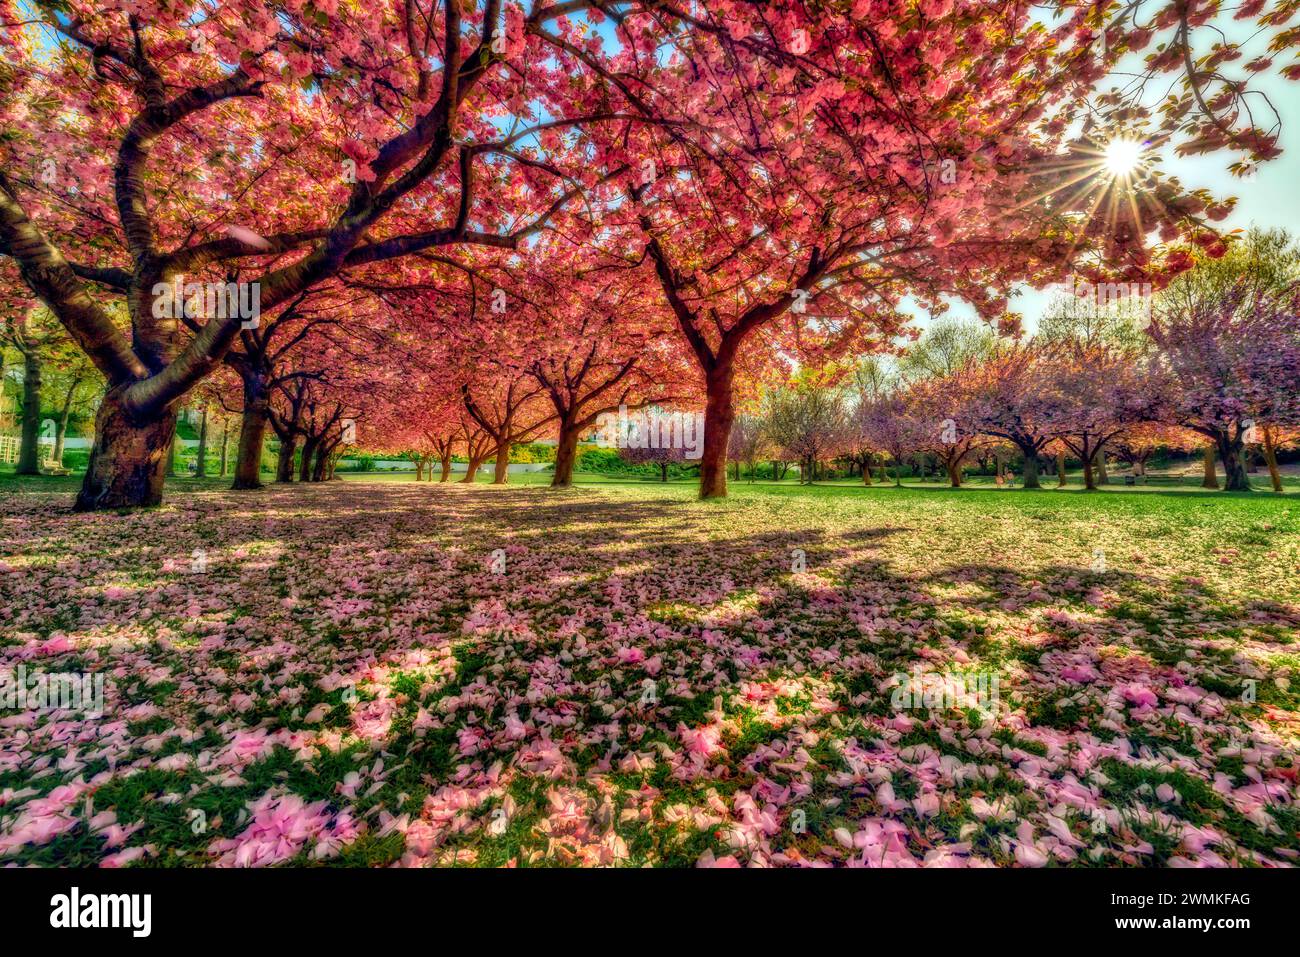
x=370 y=674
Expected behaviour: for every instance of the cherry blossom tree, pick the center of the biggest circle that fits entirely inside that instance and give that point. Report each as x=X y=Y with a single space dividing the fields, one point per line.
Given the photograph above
x=272 y=357
x=795 y=199
x=1235 y=362
x=509 y=411
x=749 y=442
x=264 y=150
x=888 y=423
x=1010 y=397
x=785 y=174
x=1100 y=390
x=582 y=329
x=662 y=457
x=1230 y=334
x=945 y=423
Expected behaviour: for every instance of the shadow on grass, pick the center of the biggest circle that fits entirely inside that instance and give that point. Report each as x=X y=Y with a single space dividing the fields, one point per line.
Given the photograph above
x=347 y=576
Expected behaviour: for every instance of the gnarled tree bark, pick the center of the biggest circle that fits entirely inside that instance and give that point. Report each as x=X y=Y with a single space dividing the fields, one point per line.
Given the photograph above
x=128 y=460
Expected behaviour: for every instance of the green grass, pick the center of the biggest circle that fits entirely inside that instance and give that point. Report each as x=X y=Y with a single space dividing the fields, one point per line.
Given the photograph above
x=1196 y=580
x=1157 y=484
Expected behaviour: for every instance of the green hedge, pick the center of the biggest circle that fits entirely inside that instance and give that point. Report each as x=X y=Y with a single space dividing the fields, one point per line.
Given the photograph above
x=604 y=461
x=76 y=459
x=532 y=453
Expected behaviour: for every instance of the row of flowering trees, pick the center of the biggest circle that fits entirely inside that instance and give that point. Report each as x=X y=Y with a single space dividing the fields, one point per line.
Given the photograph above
x=1215 y=364
x=768 y=179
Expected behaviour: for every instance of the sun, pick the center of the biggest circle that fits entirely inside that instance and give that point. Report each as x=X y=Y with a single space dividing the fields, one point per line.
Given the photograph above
x=1123 y=156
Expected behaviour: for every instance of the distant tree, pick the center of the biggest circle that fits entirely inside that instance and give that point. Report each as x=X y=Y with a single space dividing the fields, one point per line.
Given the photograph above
x=808 y=423
x=1091 y=315
x=661 y=458
x=946 y=347
x=748 y=443
x=873 y=378
x=946 y=424
x=1101 y=390
x=1009 y=397
x=36 y=336
x=74 y=387
x=1229 y=332
x=1272 y=438
x=1136 y=445
x=889 y=425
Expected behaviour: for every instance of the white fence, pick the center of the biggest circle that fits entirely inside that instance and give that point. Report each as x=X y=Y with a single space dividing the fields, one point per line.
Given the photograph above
x=11 y=447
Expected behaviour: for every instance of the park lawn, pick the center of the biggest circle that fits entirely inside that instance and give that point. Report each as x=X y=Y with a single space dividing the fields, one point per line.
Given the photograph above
x=1157 y=483
x=377 y=672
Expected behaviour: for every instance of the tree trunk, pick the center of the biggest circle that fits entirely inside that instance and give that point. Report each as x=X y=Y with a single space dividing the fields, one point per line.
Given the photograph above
x=29 y=457
x=1060 y=470
x=1232 y=454
x=171 y=449
x=60 y=438
x=284 y=464
x=1031 y=469
x=471 y=470
x=866 y=473
x=1103 y=477
x=501 y=471
x=321 y=463
x=61 y=432
x=309 y=447
x=1208 y=478
x=225 y=445
x=446 y=468
x=419 y=469
x=1270 y=457
x=1089 y=477
x=252 y=433
x=718 y=416
x=201 y=467
x=128 y=461
x=954 y=472
x=663 y=471
x=566 y=455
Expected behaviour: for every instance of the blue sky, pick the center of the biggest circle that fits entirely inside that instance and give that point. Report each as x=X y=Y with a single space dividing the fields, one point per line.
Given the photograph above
x=1271 y=198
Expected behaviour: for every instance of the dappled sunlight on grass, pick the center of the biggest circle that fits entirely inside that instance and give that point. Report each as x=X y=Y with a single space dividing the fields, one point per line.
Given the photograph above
x=637 y=677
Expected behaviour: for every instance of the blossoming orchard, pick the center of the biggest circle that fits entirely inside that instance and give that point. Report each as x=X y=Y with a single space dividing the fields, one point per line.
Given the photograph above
x=677 y=433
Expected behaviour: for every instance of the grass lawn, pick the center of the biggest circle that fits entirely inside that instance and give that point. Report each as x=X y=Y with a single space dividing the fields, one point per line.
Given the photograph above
x=373 y=671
